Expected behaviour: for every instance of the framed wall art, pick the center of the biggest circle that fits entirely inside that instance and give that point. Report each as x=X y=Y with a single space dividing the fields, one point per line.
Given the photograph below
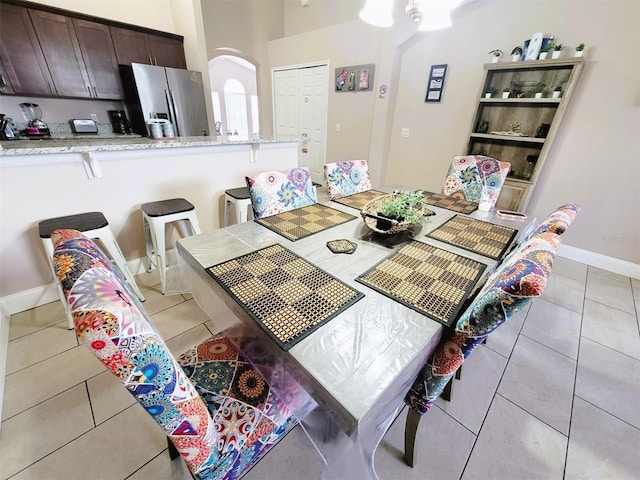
x=436 y=83
x=356 y=78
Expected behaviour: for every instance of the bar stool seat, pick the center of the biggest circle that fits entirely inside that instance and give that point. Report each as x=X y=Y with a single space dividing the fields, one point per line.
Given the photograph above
x=241 y=200
x=93 y=225
x=155 y=216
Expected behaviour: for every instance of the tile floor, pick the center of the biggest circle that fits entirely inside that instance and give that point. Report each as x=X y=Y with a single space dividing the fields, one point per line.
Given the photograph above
x=555 y=393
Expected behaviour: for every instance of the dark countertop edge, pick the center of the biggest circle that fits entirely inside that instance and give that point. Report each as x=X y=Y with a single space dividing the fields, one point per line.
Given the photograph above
x=66 y=145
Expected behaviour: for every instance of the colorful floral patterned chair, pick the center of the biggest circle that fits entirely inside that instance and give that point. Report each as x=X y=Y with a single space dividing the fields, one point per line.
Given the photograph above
x=469 y=173
x=347 y=178
x=218 y=412
x=280 y=191
x=520 y=278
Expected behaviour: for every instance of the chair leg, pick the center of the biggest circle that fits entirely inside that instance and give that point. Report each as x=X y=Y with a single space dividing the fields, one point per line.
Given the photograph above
x=458 y=375
x=446 y=392
x=410 y=432
x=173 y=451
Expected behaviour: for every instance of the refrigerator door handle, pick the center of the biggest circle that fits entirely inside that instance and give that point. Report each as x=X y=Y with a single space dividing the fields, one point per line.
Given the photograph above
x=172 y=111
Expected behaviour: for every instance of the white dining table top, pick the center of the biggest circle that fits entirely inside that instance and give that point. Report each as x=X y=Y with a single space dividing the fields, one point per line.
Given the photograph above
x=372 y=347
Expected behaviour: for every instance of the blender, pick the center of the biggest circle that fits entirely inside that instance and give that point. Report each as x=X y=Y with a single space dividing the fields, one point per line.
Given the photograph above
x=36 y=127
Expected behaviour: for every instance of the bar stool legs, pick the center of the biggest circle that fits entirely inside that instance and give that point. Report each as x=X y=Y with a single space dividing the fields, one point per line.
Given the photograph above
x=240 y=198
x=93 y=225
x=155 y=215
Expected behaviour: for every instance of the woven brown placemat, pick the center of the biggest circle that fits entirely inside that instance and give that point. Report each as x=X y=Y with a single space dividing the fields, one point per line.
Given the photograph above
x=304 y=221
x=287 y=296
x=359 y=200
x=460 y=205
x=476 y=236
x=427 y=279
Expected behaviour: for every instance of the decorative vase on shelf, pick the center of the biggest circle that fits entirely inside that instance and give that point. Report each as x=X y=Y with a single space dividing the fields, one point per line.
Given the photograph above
x=505 y=94
x=487 y=95
x=543 y=55
x=579 y=53
x=556 y=54
x=538 y=95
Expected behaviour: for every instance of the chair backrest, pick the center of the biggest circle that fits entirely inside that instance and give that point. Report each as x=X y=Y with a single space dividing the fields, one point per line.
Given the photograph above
x=347 y=178
x=469 y=174
x=520 y=278
x=280 y=191
x=111 y=322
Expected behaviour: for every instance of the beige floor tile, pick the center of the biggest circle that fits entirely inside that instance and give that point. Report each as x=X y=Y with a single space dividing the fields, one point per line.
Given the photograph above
x=473 y=393
x=37 y=383
x=611 y=453
x=564 y=291
x=609 y=291
x=515 y=445
x=40 y=345
x=29 y=321
x=554 y=326
x=108 y=396
x=112 y=450
x=163 y=468
x=188 y=339
x=34 y=433
x=611 y=327
x=178 y=319
x=609 y=380
x=503 y=339
x=293 y=458
x=540 y=381
x=156 y=302
x=570 y=268
x=434 y=456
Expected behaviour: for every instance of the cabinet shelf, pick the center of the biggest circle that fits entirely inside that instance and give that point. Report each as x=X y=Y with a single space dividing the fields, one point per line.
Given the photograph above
x=530 y=115
x=508 y=138
x=528 y=101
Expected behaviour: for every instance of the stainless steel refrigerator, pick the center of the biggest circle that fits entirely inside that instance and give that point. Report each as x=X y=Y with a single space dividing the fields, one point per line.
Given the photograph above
x=163 y=92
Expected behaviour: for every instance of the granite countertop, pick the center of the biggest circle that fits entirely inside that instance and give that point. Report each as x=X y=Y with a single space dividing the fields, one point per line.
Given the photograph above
x=77 y=144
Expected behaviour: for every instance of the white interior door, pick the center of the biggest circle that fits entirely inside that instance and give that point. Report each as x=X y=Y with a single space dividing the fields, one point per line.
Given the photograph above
x=300 y=108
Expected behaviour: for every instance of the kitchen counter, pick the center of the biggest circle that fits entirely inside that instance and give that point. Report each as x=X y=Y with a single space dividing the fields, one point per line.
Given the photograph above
x=113 y=144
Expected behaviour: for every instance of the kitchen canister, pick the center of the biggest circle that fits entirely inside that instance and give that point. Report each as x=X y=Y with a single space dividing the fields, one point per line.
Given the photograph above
x=155 y=130
x=167 y=130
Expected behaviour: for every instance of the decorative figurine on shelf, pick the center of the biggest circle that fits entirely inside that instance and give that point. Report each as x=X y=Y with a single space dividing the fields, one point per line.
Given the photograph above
x=483 y=127
x=516 y=54
x=496 y=55
x=543 y=130
x=515 y=126
x=545 y=49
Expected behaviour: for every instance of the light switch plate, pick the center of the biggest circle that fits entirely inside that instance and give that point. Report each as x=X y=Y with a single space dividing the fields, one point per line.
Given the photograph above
x=404 y=133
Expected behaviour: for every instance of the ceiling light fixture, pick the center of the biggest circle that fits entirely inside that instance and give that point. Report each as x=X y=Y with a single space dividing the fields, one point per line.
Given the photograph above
x=428 y=14
x=377 y=12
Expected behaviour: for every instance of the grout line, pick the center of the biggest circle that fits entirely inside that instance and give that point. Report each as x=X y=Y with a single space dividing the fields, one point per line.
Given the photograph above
x=607 y=412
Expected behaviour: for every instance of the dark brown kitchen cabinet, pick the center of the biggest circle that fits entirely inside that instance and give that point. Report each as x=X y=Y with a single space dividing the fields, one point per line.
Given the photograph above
x=99 y=58
x=61 y=49
x=167 y=52
x=25 y=70
x=5 y=86
x=133 y=46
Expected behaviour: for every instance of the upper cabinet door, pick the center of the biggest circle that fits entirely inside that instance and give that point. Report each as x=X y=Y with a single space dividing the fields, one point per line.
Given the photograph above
x=167 y=52
x=24 y=65
x=131 y=46
x=99 y=58
x=60 y=46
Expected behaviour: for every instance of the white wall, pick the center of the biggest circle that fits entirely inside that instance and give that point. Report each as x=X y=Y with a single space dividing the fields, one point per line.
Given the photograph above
x=595 y=160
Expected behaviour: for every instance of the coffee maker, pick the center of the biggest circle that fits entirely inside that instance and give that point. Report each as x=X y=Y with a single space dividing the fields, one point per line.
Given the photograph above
x=119 y=121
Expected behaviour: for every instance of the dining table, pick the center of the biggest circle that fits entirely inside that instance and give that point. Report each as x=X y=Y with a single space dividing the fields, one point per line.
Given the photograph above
x=357 y=365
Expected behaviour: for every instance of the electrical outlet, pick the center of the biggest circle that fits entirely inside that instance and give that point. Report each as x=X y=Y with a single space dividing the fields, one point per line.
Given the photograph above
x=338 y=128
x=404 y=133
x=94 y=117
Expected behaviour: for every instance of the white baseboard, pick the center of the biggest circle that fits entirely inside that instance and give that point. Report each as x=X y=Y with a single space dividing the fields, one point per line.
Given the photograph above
x=27 y=299
x=610 y=264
